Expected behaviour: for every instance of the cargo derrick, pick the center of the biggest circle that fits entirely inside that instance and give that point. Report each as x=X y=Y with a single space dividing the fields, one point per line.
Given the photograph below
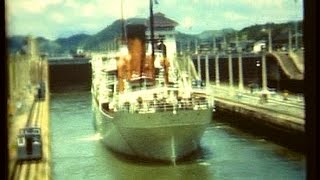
x=121 y=72
x=164 y=62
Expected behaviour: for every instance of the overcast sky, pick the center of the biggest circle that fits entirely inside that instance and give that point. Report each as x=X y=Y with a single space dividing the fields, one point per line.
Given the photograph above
x=62 y=18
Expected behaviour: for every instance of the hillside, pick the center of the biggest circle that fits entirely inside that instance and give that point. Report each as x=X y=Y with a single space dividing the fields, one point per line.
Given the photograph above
x=103 y=39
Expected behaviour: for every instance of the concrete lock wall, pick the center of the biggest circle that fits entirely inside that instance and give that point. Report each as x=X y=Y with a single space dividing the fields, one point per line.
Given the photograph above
x=23 y=76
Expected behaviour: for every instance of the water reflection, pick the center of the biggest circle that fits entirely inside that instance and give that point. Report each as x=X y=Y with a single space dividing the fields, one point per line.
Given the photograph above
x=123 y=167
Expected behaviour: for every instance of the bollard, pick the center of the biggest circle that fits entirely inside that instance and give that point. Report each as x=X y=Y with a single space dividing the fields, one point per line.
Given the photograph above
x=285 y=95
x=264 y=98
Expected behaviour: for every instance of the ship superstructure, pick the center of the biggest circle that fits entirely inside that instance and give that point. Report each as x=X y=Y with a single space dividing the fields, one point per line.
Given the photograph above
x=145 y=104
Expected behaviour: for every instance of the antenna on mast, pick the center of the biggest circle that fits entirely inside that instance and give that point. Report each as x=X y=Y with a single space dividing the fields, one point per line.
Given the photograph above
x=123 y=31
x=151 y=28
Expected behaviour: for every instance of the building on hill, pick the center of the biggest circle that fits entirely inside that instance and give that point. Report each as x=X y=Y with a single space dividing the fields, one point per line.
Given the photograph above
x=257 y=47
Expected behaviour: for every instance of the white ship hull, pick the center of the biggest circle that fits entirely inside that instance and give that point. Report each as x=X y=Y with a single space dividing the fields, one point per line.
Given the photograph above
x=166 y=136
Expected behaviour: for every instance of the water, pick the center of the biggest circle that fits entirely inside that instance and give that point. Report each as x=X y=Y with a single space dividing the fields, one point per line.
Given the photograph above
x=227 y=153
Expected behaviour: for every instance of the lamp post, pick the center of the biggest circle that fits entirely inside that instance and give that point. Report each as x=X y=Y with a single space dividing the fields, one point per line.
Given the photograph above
x=296 y=36
x=240 y=68
x=181 y=47
x=196 y=46
x=269 y=40
x=214 y=44
x=296 y=27
x=224 y=46
x=199 y=66
x=257 y=71
x=264 y=71
x=230 y=68
x=216 y=60
x=207 y=69
x=239 y=52
x=290 y=40
x=268 y=30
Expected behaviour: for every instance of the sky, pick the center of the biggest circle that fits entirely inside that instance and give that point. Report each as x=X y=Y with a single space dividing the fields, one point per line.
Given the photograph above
x=62 y=18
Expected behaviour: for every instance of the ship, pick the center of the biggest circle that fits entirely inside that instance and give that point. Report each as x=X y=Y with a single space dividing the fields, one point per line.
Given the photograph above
x=146 y=105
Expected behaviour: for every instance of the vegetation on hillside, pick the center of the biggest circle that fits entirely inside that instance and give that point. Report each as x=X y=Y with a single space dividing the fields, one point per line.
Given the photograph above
x=109 y=35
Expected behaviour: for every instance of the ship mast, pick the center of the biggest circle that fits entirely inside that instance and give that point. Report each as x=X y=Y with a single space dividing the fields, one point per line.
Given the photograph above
x=151 y=40
x=123 y=31
x=151 y=24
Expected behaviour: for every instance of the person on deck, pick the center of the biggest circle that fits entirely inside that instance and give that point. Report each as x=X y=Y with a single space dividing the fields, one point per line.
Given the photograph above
x=164 y=62
x=163 y=49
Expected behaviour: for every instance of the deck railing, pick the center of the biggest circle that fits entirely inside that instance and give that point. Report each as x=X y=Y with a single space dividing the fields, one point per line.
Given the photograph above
x=152 y=106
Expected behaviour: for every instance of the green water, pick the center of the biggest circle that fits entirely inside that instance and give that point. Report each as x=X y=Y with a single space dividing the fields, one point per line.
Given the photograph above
x=226 y=153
